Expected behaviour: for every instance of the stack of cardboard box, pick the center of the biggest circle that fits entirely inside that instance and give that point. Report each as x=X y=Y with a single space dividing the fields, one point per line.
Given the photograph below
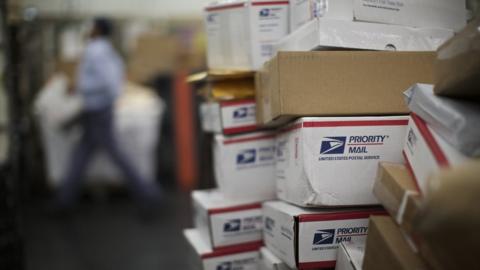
x=337 y=114
x=439 y=183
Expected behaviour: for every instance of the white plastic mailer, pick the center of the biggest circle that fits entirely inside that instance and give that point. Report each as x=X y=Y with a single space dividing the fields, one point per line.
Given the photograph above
x=138 y=115
x=456 y=121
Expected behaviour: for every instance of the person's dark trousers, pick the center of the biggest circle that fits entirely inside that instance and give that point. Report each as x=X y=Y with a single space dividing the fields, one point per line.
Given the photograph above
x=98 y=128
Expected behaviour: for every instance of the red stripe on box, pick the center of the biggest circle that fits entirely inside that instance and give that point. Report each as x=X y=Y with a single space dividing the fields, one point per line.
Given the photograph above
x=356 y=123
x=315 y=265
x=243 y=207
x=224 y=7
x=410 y=170
x=261 y=137
x=234 y=249
x=339 y=216
x=270 y=3
x=431 y=142
x=236 y=102
x=235 y=130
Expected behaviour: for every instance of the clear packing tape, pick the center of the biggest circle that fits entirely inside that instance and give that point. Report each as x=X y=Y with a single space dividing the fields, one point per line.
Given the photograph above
x=456 y=121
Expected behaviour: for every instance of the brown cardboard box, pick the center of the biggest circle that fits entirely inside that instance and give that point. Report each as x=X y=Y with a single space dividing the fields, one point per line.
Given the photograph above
x=153 y=54
x=450 y=220
x=457 y=67
x=397 y=192
x=338 y=83
x=387 y=248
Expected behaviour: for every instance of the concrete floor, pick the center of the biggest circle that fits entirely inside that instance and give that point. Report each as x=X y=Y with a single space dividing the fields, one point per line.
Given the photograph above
x=108 y=235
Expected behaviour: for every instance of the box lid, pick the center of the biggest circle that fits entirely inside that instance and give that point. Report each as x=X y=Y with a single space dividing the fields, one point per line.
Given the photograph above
x=215 y=202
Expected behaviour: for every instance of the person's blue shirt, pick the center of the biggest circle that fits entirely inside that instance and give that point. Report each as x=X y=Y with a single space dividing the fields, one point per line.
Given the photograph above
x=100 y=76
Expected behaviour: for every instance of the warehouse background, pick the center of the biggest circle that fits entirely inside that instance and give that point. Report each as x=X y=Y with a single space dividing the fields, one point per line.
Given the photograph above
x=162 y=42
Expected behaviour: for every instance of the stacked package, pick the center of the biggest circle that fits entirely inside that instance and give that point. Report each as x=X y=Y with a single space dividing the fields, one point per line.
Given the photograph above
x=434 y=195
x=228 y=219
x=330 y=78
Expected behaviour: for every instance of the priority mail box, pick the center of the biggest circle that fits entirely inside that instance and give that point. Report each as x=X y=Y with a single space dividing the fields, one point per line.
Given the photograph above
x=245 y=165
x=229 y=117
x=224 y=222
x=240 y=33
x=268 y=261
x=309 y=239
x=350 y=256
x=388 y=249
x=331 y=34
x=204 y=257
x=333 y=161
x=426 y=152
x=397 y=192
x=338 y=83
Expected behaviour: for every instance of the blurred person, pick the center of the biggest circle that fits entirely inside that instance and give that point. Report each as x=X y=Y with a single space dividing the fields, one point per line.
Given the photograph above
x=100 y=79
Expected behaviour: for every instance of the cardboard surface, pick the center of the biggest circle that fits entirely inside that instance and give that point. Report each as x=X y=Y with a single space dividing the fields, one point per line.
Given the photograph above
x=331 y=34
x=397 y=192
x=244 y=165
x=205 y=258
x=387 y=248
x=240 y=33
x=355 y=82
x=455 y=191
x=268 y=261
x=309 y=239
x=332 y=161
x=350 y=256
x=223 y=222
x=426 y=152
x=457 y=67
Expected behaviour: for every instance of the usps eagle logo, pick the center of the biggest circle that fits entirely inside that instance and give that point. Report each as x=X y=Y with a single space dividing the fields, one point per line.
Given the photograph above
x=224 y=266
x=247 y=156
x=324 y=237
x=232 y=225
x=333 y=145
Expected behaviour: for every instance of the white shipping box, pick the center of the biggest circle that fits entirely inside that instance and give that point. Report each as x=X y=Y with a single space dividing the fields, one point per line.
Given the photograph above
x=224 y=222
x=322 y=34
x=240 y=32
x=228 y=117
x=447 y=14
x=426 y=152
x=350 y=256
x=205 y=258
x=333 y=161
x=308 y=239
x=268 y=261
x=303 y=11
x=210 y=117
x=244 y=165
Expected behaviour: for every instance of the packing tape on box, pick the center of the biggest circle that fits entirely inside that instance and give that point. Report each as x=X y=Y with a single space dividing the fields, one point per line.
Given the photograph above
x=403 y=205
